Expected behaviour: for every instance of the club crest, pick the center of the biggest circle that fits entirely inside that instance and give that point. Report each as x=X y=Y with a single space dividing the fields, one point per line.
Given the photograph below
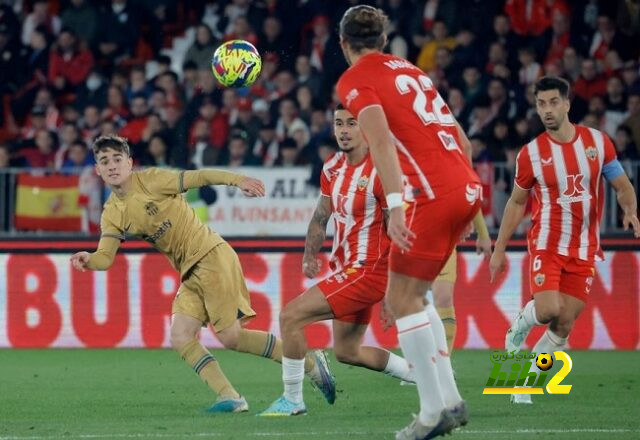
x=362 y=182
x=539 y=279
x=591 y=153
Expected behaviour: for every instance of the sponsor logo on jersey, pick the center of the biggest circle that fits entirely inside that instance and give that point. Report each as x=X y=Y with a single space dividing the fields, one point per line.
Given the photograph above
x=164 y=227
x=151 y=208
x=353 y=94
x=588 y=284
x=362 y=182
x=399 y=64
x=575 y=191
x=473 y=193
x=546 y=162
x=539 y=279
x=591 y=152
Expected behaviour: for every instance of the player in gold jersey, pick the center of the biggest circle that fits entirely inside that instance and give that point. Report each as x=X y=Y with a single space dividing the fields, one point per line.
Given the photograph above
x=148 y=204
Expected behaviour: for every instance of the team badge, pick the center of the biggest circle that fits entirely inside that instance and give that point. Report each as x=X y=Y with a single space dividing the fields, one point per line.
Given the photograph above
x=539 y=279
x=362 y=182
x=588 y=284
x=591 y=153
x=151 y=208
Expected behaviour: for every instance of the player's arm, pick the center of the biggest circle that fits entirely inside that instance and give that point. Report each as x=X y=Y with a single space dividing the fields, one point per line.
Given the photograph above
x=101 y=259
x=375 y=128
x=625 y=194
x=483 y=242
x=513 y=214
x=196 y=178
x=316 y=233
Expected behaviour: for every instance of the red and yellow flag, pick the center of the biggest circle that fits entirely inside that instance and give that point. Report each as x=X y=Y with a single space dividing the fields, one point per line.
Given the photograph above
x=48 y=203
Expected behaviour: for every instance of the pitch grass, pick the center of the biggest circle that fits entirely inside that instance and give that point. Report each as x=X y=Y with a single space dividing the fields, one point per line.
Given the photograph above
x=126 y=393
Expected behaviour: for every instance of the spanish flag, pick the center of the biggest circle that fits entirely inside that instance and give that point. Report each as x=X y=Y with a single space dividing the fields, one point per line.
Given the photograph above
x=49 y=203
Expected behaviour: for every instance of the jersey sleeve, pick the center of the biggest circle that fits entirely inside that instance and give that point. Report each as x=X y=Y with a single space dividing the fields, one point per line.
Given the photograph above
x=524 y=171
x=356 y=96
x=162 y=181
x=325 y=185
x=609 y=150
x=110 y=226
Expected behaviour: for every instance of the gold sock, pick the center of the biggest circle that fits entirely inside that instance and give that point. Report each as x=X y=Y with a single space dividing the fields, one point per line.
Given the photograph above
x=448 y=317
x=208 y=368
x=266 y=345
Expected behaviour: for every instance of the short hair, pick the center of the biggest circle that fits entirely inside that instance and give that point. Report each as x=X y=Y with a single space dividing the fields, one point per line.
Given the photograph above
x=364 y=27
x=339 y=107
x=552 y=83
x=112 y=142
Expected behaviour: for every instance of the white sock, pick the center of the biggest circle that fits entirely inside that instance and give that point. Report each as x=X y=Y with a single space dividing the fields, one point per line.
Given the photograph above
x=549 y=342
x=419 y=349
x=529 y=314
x=450 y=392
x=399 y=368
x=292 y=376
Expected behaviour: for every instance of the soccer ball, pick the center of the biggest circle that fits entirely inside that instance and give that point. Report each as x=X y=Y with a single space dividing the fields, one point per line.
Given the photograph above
x=544 y=361
x=236 y=63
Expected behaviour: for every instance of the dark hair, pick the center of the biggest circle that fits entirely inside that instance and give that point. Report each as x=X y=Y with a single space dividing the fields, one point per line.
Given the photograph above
x=364 y=27
x=552 y=83
x=112 y=142
x=80 y=143
x=340 y=107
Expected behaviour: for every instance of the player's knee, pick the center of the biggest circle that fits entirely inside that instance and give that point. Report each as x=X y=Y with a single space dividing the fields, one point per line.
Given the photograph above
x=180 y=337
x=562 y=327
x=229 y=338
x=548 y=311
x=289 y=318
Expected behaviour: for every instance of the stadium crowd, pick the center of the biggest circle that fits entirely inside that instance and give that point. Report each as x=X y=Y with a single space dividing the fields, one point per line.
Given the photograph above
x=73 y=69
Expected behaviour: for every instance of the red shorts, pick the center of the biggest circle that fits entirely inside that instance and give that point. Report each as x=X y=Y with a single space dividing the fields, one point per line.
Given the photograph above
x=352 y=292
x=438 y=225
x=568 y=275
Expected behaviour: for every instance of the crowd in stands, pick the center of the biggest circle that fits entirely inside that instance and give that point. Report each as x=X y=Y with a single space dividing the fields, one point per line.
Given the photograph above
x=71 y=70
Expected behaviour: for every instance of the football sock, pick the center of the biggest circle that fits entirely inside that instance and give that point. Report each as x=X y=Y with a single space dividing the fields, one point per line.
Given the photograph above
x=292 y=376
x=450 y=393
x=208 y=368
x=416 y=339
x=448 y=317
x=529 y=314
x=549 y=342
x=399 y=368
x=266 y=345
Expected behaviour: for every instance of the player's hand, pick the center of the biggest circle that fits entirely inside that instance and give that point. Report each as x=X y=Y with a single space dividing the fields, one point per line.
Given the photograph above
x=497 y=264
x=398 y=231
x=631 y=221
x=252 y=187
x=466 y=233
x=386 y=318
x=80 y=260
x=483 y=246
x=311 y=266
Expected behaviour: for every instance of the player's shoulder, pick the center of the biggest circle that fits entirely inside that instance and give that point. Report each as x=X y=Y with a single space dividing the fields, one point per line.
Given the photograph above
x=112 y=208
x=334 y=160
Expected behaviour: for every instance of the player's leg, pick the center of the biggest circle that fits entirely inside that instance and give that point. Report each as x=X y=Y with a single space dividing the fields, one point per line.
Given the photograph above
x=544 y=281
x=184 y=339
x=309 y=307
x=347 y=346
x=442 y=289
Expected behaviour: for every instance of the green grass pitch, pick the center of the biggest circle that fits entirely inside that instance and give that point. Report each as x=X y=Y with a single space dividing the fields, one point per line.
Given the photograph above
x=139 y=394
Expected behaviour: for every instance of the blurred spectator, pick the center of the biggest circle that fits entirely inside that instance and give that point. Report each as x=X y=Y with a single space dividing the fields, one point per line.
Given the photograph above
x=571 y=63
x=93 y=91
x=607 y=38
x=308 y=76
x=116 y=109
x=500 y=140
x=168 y=81
x=479 y=151
x=467 y=51
x=272 y=41
x=246 y=121
x=37 y=55
x=481 y=117
x=304 y=98
x=501 y=104
x=137 y=84
x=530 y=70
x=428 y=13
x=90 y=123
x=267 y=147
x=5 y=159
x=241 y=30
x=157 y=154
x=10 y=61
x=457 y=105
x=40 y=16
x=215 y=128
x=497 y=55
x=138 y=123
x=42 y=155
x=78 y=156
x=202 y=48
x=288 y=156
x=590 y=83
x=633 y=120
x=118 y=31
x=628 y=19
x=554 y=41
x=316 y=47
x=189 y=80
x=81 y=17
x=68 y=133
x=237 y=153
x=472 y=85
x=631 y=79
x=530 y=18
x=288 y=121
x=69 y=64
x=426 y=58
x=625 y=147
x=503 y=34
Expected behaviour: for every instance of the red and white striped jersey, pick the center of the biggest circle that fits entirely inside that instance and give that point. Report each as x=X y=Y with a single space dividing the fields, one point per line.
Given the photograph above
x=566 y=179
x=357 y=201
